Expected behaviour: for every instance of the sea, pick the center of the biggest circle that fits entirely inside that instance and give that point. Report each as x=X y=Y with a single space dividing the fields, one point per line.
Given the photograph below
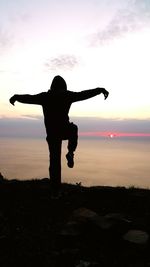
x=117 y=161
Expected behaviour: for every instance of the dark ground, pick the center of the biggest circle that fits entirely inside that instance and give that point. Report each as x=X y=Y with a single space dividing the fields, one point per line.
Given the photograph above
x=36 y=230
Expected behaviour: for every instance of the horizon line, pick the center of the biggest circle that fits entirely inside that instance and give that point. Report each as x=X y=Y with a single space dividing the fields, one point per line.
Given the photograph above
x=113 y=134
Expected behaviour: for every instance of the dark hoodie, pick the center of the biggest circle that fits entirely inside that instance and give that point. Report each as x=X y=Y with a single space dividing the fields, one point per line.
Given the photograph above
x=56 y=104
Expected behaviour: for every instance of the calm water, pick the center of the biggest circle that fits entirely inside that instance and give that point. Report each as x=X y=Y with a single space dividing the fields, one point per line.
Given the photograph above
x=117 y=162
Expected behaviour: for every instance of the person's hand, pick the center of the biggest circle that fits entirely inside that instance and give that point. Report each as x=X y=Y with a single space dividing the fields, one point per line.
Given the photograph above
x=12 y=100
x=105 y=93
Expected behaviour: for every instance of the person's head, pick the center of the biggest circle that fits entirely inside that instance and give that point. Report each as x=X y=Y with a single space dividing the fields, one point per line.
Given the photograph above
x=58 y=84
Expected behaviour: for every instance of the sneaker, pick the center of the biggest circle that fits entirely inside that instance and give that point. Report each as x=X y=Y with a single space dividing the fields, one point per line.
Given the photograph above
x=70 y=159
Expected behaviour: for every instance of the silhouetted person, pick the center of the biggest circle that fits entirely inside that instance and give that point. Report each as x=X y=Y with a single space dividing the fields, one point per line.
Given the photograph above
x=56 y=103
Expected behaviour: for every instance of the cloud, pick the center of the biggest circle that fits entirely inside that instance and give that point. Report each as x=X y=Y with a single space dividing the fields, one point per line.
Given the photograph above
x=22 y=127
x=34 y=117
x=65 y=62
x=3 y=71
x=6 y=38
x=132 y=18
x=89 y=124
x=12 y=21
x=34 y=126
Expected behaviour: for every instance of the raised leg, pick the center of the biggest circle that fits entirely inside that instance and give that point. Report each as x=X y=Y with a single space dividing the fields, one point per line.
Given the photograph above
x=72 y=144
x=72 y=137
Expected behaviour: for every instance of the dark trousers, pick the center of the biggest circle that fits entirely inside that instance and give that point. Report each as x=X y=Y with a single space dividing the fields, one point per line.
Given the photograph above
x=70 y=133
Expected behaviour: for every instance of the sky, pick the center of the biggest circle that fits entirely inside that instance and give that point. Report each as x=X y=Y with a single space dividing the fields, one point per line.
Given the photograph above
x=90 y=43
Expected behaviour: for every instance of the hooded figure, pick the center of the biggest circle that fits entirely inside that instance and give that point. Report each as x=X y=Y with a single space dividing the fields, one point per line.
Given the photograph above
x=56 y=103
x=58 y=84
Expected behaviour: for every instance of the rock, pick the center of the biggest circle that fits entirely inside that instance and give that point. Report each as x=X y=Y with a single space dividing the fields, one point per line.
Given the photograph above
x=71 y=228
x=104 y=222
x=136 y=236
x=117 y=217
x=84 y=214
x=84 y=263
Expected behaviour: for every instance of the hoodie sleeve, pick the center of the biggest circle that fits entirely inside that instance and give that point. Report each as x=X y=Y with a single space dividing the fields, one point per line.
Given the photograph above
x=86 y=94
x=31 y=99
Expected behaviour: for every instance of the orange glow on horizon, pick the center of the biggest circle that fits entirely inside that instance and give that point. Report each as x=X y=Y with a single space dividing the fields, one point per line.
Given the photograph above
x=114 y=134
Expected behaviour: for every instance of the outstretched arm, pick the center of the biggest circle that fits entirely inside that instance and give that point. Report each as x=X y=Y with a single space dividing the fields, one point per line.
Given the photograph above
x=83 y=95
x=27 y=99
